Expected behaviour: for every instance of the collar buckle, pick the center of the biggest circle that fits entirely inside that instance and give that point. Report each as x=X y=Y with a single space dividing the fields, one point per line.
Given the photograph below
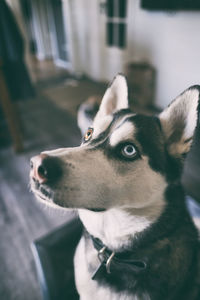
x=104 y=260
x=101 y=254
x=108 y=262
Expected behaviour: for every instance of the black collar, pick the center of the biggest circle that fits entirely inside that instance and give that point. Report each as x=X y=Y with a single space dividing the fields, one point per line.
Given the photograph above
x=111 y=262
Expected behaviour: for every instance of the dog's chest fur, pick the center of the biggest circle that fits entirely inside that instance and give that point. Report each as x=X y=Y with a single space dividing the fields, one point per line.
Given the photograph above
x=115 y=229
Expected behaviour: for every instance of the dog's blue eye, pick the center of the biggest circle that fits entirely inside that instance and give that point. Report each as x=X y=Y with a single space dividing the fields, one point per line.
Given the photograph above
x=129 y=151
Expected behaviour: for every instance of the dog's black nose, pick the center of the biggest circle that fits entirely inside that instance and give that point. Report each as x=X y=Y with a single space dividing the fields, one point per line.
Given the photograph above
x=45 y=168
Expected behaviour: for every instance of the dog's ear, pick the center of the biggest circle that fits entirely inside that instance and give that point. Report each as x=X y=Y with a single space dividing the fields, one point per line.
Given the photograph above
x=179 y=121
x=115 y=97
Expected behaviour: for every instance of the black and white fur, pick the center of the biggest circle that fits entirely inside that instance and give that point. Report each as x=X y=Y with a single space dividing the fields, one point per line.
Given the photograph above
x=86 y=113
x=132 y=202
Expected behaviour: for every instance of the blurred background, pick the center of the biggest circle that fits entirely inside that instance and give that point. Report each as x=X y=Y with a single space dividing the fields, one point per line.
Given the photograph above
x=54 y=56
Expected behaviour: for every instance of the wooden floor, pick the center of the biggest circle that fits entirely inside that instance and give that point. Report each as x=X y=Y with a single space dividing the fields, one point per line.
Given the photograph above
x=22 y=219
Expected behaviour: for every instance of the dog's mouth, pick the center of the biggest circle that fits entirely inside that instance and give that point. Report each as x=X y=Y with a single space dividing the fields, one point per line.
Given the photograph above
x=44 y=193
x=41 y=191
x=97 y=209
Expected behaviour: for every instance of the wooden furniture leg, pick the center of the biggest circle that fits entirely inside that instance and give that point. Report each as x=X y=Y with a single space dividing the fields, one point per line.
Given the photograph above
x=10 y=113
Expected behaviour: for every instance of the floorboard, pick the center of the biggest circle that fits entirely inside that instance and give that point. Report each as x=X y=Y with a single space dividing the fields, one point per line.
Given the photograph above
x=22 y=218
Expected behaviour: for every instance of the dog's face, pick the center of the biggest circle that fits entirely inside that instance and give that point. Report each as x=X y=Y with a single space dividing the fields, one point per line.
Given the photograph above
x=125 y=160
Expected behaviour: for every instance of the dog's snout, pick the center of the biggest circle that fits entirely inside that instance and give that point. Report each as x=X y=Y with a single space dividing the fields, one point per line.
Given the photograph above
x=45 y=168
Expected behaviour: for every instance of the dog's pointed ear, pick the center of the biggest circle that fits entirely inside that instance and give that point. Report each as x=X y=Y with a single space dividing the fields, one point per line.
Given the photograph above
x=179 y=121
x=115 y=97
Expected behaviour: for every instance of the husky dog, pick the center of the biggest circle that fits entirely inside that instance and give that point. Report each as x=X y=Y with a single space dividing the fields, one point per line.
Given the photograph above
x=139 y=240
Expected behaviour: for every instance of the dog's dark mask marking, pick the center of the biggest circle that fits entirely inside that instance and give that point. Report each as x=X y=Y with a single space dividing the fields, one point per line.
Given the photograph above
x=105 y=133
x=150 y=136
x=152 y=140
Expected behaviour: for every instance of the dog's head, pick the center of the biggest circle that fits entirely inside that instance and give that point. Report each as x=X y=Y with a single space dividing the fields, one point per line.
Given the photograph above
x=125 y=160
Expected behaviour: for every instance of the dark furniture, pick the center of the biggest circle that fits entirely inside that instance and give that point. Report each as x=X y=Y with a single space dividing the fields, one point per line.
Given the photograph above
x=10 y=112
x=53 y=256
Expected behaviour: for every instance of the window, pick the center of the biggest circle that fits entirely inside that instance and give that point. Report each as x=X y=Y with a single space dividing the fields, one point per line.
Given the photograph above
x=116 y=23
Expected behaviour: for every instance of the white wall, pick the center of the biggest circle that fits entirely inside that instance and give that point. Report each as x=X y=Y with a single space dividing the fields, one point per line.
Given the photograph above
x=171 y=42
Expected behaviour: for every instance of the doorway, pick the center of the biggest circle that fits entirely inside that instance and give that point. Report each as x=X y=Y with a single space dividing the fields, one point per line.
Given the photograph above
x=58 y=34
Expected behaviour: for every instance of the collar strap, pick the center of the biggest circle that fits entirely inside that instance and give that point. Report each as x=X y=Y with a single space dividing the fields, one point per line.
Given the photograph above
x=116 y=261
